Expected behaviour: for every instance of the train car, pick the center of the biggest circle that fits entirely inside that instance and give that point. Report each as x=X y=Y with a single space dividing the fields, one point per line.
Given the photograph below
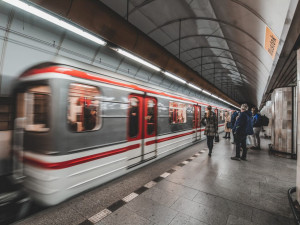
x=78 y=126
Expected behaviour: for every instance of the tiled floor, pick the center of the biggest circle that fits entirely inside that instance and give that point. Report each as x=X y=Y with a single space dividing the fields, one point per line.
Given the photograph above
x=216 y=191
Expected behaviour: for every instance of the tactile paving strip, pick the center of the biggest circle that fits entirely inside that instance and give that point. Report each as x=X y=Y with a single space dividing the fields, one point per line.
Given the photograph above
x=99 y=216
x=118 y=204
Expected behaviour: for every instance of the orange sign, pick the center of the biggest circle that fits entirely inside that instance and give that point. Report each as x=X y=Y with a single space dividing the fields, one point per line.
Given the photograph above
x=271 y=42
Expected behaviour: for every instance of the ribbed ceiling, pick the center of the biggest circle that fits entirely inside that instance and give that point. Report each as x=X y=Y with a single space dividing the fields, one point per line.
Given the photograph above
x=223 y=41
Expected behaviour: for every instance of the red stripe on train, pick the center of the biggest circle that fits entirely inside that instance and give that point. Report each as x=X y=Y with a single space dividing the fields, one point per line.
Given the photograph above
x=168 y=138
x=173 y=137
x=84 y=75
x=74 y=162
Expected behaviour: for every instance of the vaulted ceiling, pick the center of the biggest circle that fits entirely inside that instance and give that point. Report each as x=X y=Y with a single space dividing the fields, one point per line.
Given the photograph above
x=222 y=40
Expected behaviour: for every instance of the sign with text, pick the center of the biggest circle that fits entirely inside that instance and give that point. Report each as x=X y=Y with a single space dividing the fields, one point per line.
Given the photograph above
x=271 y=42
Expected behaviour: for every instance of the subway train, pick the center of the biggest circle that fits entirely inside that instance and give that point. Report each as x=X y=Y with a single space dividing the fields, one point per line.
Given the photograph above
x=77 y=126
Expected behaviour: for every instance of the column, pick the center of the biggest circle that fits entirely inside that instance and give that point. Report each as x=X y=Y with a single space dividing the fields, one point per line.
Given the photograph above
x=298 y=127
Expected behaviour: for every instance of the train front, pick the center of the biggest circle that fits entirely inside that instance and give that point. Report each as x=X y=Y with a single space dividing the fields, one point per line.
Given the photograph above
x=35 y=144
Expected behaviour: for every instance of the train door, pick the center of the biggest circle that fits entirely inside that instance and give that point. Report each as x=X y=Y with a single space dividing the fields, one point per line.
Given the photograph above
x=18 y=135
x=217 y=115
x=149 y=134
x=142 y=128
x=197 y=122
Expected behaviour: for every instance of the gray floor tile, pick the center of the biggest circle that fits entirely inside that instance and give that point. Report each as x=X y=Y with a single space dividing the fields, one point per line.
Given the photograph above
x=262 y=218
x=200 y=212
x=223 y=205
x=124 y=216
x=152 y=210
x=161 y=196
x=61 y=214
x=39 y=219
x=235 y=220
x=177 y=189
x=86 y=206
x=182 y=219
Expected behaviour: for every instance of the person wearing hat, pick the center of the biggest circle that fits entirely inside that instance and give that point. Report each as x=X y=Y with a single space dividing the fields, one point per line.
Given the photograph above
x=210 y=122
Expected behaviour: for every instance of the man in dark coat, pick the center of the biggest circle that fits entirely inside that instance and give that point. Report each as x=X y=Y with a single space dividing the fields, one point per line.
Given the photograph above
x=233 y=120
x=240 y=131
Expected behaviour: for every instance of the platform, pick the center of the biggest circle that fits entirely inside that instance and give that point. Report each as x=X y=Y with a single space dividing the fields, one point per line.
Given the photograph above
x=188 y=187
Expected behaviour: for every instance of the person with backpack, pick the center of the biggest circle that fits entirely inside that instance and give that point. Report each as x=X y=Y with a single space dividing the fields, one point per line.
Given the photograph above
x=210 y=121
x=242 y=128
x=257 y=124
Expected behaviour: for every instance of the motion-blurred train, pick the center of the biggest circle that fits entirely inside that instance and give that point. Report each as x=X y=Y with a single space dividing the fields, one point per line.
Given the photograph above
x=78 y=126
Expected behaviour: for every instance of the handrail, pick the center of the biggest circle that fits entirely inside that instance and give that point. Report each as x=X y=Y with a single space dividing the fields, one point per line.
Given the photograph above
x=290 y=191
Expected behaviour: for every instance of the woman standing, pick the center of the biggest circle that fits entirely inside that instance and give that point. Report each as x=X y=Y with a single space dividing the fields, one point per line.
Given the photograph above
x=210 y=122
x=227 y=126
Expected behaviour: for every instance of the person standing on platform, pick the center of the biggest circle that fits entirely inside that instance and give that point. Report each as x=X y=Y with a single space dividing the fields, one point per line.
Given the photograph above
x=210 y=122
x=257 y=124
x=241 y=131
x=227 y=125
x=233 y=120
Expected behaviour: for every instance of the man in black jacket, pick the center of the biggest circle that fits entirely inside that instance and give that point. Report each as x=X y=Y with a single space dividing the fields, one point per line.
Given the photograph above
x=233 y=120
x=240 y=131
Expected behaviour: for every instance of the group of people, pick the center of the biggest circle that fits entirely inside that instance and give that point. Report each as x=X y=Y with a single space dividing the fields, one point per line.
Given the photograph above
x=242 y=124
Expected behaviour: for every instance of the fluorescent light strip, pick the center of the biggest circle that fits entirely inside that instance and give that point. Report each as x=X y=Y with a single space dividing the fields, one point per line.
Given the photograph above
x=54 y=20
x=206 y=92
x=135 y=58
x=175 y=77
x=195 y=87
x=74 y=29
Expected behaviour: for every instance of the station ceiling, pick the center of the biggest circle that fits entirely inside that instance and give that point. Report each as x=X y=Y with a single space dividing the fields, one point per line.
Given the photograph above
x=222 y=40
x=226 y=42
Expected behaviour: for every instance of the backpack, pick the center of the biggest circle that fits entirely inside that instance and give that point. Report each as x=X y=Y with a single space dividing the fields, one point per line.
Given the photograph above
x=258 y=122
x=249 y=126
x=264 y=120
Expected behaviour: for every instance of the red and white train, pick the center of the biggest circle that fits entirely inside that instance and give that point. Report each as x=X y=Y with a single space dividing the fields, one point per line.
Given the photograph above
x=78 y=126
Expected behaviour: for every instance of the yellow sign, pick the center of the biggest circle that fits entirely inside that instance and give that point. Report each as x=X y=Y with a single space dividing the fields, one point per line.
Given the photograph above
x=271 y=42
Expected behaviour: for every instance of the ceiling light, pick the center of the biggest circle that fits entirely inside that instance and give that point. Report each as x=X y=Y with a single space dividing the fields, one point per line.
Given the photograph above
x=195 y=87
x=174 y=77
x=206 y=92
x=135 y=58
x=55 y=20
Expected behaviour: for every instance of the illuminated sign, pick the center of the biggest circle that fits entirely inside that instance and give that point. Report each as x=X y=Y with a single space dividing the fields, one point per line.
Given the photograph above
x=271 y=42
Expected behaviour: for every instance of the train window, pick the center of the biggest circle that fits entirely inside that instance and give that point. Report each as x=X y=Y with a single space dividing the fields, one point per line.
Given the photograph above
x=177 y=112
x=37 y=108
x=133 y=117
x=83 y=111
x=150 y=117
x=221 y=115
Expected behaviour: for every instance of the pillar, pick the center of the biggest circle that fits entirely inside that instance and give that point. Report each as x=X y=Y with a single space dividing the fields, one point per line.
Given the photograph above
x=282 y=119
x=298 y=127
